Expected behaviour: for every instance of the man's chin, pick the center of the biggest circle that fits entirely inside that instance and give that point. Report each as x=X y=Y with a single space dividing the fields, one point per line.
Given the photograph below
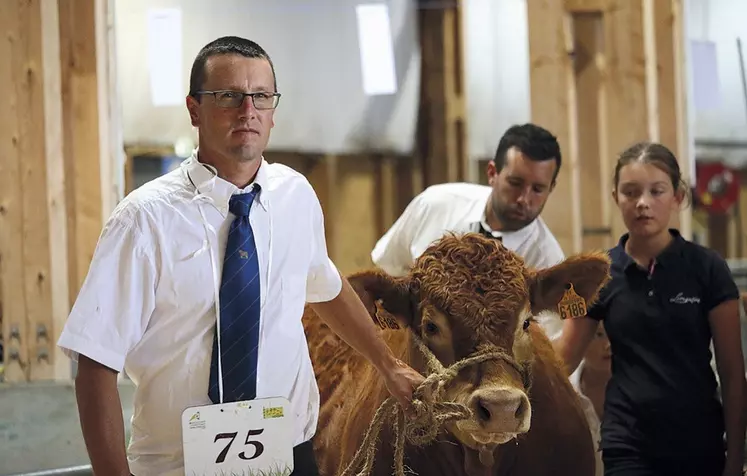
x=245 y=152
x=515 y=223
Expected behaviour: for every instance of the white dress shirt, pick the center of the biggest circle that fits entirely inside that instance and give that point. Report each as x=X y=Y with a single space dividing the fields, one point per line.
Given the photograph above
x=459 y=208
x=148 y=302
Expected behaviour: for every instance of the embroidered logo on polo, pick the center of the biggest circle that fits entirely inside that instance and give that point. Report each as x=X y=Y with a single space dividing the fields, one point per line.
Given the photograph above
x=680 y=299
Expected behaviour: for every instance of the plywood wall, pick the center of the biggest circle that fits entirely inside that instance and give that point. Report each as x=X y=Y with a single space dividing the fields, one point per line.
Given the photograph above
x=604 y=75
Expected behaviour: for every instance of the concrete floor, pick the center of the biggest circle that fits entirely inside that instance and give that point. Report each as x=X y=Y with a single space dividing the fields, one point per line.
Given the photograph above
x=40 y=429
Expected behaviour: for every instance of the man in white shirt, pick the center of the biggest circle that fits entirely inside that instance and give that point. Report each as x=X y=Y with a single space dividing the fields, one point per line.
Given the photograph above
x=521 y=177
x=160 y=274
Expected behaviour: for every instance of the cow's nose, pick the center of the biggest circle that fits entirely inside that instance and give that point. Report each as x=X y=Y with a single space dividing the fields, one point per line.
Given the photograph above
x=502 y=410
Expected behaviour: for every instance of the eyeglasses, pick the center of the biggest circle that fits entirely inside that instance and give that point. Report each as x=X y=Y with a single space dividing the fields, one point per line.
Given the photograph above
x=234 y=99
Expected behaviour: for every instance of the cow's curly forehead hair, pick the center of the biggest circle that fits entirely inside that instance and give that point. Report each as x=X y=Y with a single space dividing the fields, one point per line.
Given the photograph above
x=473 y=277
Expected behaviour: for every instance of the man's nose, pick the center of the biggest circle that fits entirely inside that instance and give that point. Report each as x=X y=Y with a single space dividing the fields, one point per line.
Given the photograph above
x=247 y=109
x=524 y=197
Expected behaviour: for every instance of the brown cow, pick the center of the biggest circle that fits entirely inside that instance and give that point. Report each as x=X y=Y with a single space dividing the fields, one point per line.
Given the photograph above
x=464 y=294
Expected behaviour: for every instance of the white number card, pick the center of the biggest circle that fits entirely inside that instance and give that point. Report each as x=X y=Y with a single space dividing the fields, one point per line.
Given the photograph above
x=249 y=438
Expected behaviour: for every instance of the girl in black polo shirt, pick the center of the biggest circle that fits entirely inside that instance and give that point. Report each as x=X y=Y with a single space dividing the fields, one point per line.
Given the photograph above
x=666 y=300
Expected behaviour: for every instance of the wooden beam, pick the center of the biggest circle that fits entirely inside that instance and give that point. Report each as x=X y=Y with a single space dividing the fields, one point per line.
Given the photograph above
x=684 y=149
x=588 y=54
x=441 y=128
x=32 y=200
x=386 y=191
x=324 y=176
x=626 y=85
x=552 y=98
x=85 y=117
x=587 y=6
x=11 y=201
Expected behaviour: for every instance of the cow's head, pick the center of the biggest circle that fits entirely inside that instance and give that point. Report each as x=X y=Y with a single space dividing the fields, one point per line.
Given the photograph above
x=466 y=294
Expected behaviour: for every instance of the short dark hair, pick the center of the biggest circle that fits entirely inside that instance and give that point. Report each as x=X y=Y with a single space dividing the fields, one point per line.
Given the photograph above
x=533 y=141
x=226 y=45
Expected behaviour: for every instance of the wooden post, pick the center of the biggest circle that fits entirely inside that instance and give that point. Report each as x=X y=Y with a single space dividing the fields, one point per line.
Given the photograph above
x=386 y=191
x=324 y=176
x=32 y=199
x=552 y=92
x=85 y=106
x=441 y=129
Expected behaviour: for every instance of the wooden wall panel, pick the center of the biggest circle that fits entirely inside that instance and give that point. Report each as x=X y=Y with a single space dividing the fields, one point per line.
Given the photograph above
x=626 y=87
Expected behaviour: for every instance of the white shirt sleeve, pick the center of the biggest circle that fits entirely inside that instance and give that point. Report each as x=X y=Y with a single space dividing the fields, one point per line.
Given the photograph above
x=550 y=256
x=117 y=297
x=323 y=282
x=393 y=251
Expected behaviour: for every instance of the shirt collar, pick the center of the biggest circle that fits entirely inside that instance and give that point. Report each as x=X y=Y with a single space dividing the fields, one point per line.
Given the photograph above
x=203 y=177
x=666 y=258
x=512 y=239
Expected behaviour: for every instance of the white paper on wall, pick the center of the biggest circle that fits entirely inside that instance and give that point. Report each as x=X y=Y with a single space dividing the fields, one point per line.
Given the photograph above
x=704 y=67
x=376 y=48
x=165 y=56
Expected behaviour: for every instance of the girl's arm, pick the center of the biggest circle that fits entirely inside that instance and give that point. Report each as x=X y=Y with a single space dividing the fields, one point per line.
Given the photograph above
x=725 y=328
x=574 y=340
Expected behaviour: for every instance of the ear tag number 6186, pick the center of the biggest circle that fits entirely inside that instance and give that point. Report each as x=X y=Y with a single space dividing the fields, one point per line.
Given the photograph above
x=571 y=305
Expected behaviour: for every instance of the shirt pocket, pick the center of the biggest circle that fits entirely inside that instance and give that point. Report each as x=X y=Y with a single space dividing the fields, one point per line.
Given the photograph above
x=191 y=277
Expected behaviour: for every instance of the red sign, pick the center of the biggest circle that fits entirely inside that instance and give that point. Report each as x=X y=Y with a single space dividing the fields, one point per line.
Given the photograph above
x=716 y=187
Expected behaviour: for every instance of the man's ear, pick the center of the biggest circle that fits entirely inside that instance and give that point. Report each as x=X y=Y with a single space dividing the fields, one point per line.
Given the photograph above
x=388 y=299
x=192 y=108
x=587 y=272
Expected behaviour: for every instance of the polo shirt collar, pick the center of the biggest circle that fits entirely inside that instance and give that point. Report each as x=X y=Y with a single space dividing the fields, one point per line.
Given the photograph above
x=668 y=257
x=205 y=179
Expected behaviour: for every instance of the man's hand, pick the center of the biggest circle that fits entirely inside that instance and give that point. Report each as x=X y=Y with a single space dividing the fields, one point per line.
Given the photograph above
x=401 y=381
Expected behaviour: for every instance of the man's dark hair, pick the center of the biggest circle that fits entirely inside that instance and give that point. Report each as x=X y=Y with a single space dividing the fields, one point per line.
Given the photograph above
x=227 y=45
x=533 y=141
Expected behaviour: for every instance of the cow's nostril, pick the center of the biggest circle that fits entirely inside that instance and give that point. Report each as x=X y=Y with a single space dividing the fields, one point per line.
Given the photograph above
x=482 y=411
x=520 y=410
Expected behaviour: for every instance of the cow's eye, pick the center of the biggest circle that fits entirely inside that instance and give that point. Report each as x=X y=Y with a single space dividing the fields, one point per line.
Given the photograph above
x=431 y=328
x=526 y=324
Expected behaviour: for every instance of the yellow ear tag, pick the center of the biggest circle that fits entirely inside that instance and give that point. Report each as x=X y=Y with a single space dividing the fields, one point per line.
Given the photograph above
x=571 y=305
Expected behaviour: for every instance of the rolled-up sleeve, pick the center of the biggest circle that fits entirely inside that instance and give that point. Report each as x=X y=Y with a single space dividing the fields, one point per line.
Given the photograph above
x=116 y=299
x=393 y=251
x=323 y=282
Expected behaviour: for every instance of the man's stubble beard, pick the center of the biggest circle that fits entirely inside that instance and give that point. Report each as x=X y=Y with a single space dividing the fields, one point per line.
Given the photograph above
x=245 y=153
x=510 y=224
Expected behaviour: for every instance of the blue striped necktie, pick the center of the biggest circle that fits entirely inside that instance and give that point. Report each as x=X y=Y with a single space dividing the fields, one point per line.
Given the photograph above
x=239 y=309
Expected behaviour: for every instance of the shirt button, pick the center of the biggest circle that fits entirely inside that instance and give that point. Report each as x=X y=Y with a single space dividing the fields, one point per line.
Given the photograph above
x=650 y=293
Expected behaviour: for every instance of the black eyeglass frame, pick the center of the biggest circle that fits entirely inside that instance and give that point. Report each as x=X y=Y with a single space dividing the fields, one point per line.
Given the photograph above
x=275 y=96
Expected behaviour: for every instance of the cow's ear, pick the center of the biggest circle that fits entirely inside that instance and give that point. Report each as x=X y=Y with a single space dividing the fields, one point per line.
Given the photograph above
x=587 y=273
x=387 y=298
